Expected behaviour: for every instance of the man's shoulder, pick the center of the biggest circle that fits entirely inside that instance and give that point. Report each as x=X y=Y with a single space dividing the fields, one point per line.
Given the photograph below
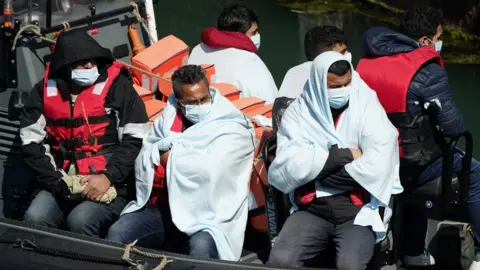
x=301 y=68
x=431 y=73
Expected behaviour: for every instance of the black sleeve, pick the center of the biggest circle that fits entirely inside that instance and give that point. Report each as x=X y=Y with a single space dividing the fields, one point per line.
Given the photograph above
x=431 y=84
x=334 y=174
x=337 y=158
x=32 y=134
x=133 y=126
x=341 y=180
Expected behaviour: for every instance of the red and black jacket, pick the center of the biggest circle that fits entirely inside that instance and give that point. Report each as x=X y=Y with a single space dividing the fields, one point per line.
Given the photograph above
x=55 y=132
x=405 y=77
x=390 y=77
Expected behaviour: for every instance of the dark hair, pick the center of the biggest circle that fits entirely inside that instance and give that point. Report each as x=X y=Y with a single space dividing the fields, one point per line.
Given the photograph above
x=321 y=39
x=418 y=22
x=236 y=18
x=189 y=74
x=340 y=68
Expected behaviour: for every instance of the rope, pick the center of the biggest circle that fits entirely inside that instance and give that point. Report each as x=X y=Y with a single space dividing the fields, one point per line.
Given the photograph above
x=141 y=20
x=144 y=71
x=37 y=31
x=28 y=245
x=131 y=249
x=66 y=26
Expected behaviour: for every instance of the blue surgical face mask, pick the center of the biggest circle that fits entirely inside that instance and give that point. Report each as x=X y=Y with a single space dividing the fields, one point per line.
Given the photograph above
x=197 y=113
x=85 y=77
x=337 y=98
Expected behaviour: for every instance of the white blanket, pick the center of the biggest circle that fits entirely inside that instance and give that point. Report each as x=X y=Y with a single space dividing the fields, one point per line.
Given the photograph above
x=208 y=171
x=307 y=132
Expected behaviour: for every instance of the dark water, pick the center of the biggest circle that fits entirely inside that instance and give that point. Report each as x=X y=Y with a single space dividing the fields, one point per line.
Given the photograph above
x=282 y=33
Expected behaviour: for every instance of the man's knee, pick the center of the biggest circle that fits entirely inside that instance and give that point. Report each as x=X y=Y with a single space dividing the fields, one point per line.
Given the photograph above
x=355 y=248
x=87 y=218
x=352 y=261
x=118 y=232
x=203 y=245
x=44 y=211
x=284 y=257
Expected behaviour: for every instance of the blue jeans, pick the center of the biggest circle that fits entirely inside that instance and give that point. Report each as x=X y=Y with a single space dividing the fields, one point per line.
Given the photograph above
x=415 y=219
x=84 y=217
x=154 y=229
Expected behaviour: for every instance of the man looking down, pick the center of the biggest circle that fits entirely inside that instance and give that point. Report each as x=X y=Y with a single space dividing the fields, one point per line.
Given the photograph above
x=81 y=130
x=232 y=47
x=203 y=146
x=337 y=157
x=317 y=40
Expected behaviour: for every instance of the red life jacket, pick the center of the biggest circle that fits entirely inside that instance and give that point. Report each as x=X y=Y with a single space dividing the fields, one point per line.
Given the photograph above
x=159 y=195
x=306 y=194
x=390 y=77
x=76 y=132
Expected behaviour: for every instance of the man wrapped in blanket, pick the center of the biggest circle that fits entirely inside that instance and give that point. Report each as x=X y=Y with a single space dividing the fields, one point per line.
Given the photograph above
x=203 y=147
x=337 y=157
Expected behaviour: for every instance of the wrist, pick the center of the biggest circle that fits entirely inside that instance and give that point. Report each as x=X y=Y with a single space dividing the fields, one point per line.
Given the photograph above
x=107 y=174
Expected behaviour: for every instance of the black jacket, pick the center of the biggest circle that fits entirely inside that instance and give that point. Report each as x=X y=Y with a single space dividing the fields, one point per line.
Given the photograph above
x=128 y=117
x=430 y=82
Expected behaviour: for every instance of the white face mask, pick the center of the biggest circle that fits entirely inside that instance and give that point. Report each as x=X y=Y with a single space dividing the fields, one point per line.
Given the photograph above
x=85 y=77
x=256 y=40
x=197 y=113
x=438 y=45
x=337 y=98
x=348 y=56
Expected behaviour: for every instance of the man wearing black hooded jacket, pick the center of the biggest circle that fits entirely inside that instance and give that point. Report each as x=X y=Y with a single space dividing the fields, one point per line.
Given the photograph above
x=406 y=70
x=81 y=130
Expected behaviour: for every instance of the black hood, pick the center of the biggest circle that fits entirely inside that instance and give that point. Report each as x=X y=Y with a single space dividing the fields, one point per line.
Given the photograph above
x=381 y=41
x=76 y=45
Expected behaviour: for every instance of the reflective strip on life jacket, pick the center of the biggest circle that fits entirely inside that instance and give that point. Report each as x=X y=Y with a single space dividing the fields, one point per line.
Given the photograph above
x=78 y=134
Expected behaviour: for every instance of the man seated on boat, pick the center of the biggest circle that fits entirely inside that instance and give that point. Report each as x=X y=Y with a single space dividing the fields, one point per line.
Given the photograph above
x=345 y=167
x=81 y=130
x=201 y=151
x=232 y=47
x=406 y=70
x=317 y=40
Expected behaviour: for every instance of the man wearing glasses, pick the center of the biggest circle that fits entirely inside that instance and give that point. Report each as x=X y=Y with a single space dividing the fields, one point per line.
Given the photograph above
x=200 y=152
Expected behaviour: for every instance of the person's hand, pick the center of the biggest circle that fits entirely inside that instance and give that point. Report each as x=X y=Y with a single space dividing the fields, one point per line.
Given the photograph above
x=356 y=153
x=96 y=186
x=164 y=159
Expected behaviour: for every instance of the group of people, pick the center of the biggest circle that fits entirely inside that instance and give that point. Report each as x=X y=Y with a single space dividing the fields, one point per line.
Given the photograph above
x=182 y=183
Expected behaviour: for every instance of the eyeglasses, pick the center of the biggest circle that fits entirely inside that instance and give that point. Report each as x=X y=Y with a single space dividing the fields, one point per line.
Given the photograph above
x=201 y=101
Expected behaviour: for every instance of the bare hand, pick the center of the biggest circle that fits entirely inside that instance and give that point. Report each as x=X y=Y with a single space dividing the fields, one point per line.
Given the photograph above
x=164 y=159
x=356 y=153
x=97 y=186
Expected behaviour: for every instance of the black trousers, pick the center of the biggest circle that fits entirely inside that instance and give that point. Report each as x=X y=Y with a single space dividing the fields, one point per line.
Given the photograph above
x=304 y=236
